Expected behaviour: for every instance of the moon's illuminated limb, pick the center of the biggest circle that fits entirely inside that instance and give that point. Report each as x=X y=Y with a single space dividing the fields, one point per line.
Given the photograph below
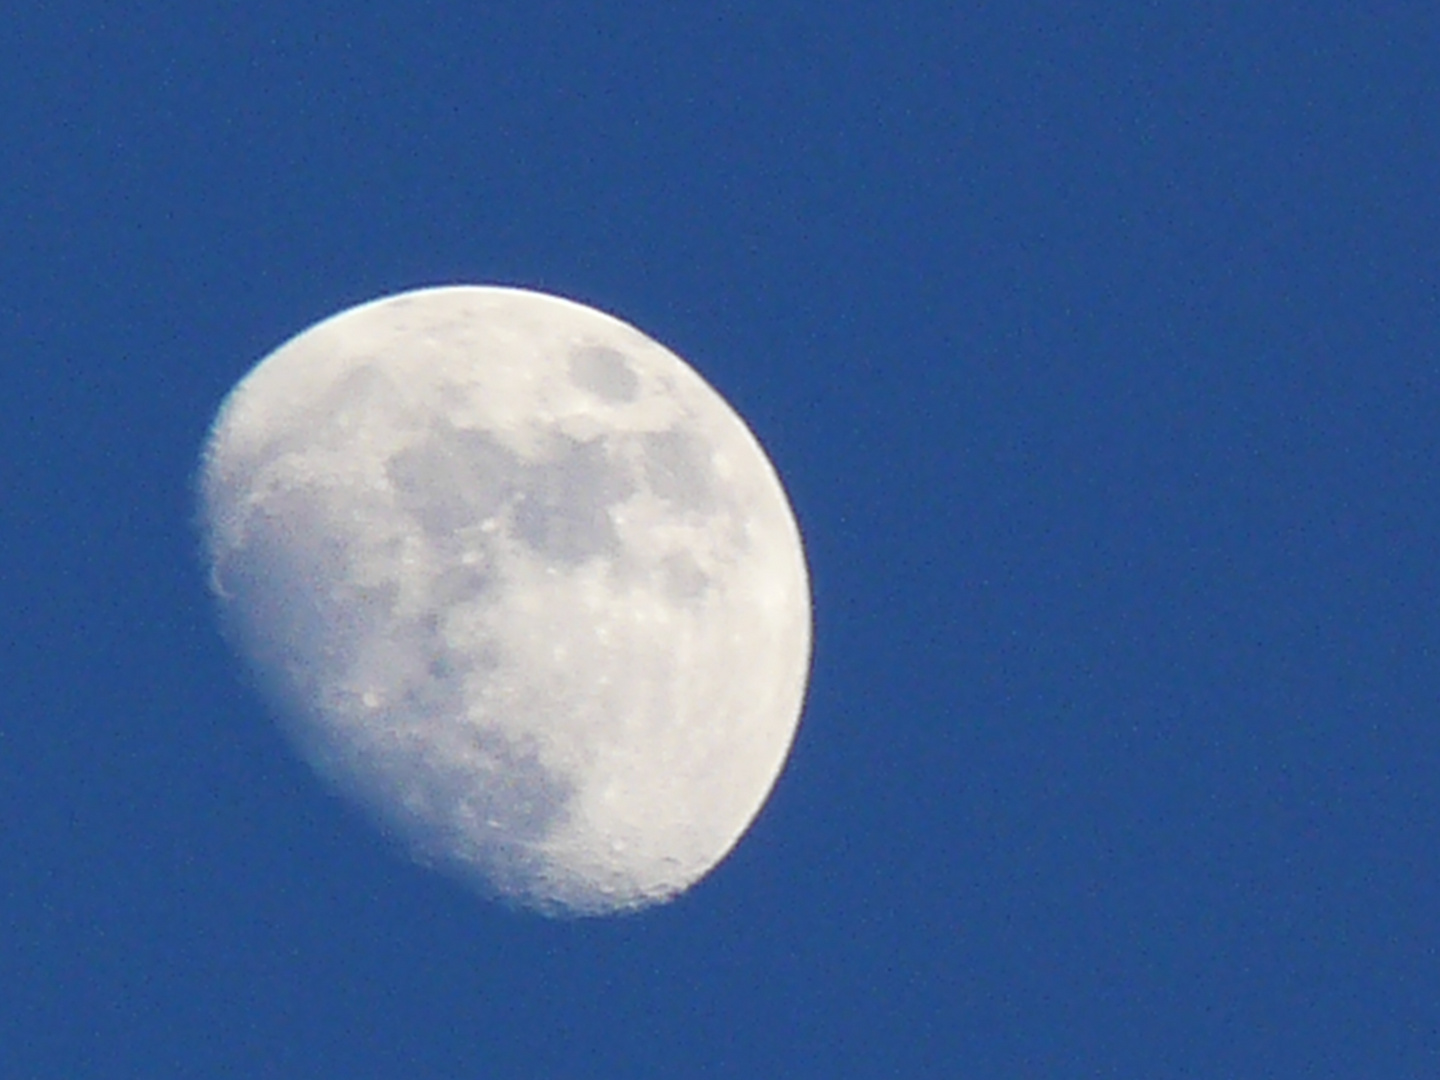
x=521 y=583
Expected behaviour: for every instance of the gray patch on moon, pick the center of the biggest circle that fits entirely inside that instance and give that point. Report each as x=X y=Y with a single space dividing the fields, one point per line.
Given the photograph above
x=605 y=372
x=678 y=469
x=465 y=576
x=562 y=511
x=684 y=580
x=454 y=478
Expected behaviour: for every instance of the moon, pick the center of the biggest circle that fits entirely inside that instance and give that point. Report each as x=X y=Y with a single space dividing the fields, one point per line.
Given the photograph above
x=519 y=583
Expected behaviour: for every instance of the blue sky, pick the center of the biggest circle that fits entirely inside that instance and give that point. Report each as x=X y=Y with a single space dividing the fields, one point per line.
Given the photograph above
x=1098 y=351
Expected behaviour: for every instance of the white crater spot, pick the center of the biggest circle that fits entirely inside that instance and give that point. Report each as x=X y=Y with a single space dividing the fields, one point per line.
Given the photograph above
x=520 y=583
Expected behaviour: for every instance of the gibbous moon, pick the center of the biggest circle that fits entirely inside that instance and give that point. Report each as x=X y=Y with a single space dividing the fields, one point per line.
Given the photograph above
x=520 y=584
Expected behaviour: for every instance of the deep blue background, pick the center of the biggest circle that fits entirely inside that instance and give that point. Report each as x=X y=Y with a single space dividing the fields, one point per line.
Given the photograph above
x=1100 y=352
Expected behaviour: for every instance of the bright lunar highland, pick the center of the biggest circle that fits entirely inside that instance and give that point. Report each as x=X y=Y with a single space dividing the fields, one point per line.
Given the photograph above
x=520 y=583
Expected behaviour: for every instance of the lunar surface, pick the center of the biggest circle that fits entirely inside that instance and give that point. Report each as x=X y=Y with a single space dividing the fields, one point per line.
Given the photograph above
x=519 y=583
